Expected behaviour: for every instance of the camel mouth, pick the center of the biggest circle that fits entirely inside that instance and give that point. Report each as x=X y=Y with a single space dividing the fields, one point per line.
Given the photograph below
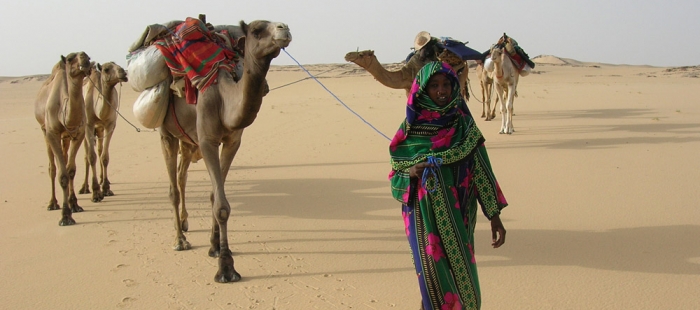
x=282 y=43
x=283 y=39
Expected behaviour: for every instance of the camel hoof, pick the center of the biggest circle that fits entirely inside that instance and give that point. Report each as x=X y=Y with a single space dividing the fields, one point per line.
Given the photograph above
x=97 y=197
x=53 y=206
x=227 y=273
x=182 y=245
x=107 y=192
x=84 y=190
x=214 y=252
x=66 y=221
x=76 y=208
x=185 y=225
x=501 y=132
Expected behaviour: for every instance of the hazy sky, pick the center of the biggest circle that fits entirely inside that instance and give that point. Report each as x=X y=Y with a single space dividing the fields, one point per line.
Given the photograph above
x=638 y=32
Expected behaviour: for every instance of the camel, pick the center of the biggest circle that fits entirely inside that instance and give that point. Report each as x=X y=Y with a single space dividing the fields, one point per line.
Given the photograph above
x=403 y=78
x=505 y=81
x=101 y=105
x=486 y=82
x=59 y=109
x=222 y=112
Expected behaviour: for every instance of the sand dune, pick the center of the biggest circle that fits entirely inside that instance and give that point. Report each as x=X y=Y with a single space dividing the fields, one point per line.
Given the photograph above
x=601 y=176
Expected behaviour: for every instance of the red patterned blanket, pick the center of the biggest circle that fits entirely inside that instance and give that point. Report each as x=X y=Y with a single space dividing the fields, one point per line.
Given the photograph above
x=196 y=53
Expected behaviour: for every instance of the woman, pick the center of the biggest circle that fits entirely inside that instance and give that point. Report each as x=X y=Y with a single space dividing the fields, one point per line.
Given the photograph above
x=440 y=169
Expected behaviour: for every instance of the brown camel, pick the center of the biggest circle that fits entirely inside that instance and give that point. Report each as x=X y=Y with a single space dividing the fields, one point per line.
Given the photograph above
x=101 y=105
x=505 y=81
x=222 y=112
x=486 y=82
x=403 y=78
x=60 y=110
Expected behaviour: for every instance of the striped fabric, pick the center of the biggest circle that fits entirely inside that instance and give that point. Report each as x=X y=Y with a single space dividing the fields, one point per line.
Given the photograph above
x=194 y=52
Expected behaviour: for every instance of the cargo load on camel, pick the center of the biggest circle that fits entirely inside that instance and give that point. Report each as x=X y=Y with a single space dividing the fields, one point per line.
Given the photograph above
x=182 y=58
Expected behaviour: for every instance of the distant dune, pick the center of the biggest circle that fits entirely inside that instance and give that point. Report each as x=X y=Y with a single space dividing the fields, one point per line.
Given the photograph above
x=352 y=69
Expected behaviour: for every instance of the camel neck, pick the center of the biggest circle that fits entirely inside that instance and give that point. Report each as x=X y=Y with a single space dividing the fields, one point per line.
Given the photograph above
x=498 y=66
x=242 y=99
x=73 y=104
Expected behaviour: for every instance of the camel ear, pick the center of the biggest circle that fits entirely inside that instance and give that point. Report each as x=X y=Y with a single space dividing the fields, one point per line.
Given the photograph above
x=99 y=67
x=240 y=43
x=63 y=59
x=244 y=27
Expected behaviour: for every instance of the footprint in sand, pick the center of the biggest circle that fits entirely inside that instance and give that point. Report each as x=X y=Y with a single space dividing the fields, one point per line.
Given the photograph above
x=129 y=282
x=126 y=302
x=118 y=267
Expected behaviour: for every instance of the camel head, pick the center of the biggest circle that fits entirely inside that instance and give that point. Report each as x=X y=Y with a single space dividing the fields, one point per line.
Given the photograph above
x=76 y=64
x=264 y=39
x=496 y=53
x=112 y=73
x=362 y=58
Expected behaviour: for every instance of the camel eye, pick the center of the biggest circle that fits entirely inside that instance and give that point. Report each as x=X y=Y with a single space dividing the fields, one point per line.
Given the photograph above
x=257 y=31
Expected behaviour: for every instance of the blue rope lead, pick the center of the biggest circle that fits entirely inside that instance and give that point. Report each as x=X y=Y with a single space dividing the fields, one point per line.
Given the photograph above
x=435 y=163
x=334 y=96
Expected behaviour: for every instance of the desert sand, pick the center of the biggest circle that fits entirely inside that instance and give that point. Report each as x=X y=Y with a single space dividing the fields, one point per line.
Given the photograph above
x=602 y=177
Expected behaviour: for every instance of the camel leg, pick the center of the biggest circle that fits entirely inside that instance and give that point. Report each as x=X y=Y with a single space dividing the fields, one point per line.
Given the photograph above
x=220 y=206
x=104 y=160
x=85 y=189
x=91 y=159
x=169 y=145
x=71 y=169
x=53 y=203
x=499 y=96
x=215 y=249
x=209 y=136
x=54 y=141
x=228 y=152
x=484 y=106
x=509 y=109
x=488 y=93
x=490 y=98
x=186 y=151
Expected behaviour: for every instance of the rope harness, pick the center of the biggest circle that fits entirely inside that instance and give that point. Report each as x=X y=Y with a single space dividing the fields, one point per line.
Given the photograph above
x=119 y=99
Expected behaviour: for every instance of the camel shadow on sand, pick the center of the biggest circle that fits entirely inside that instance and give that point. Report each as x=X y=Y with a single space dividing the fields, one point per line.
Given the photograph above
x=652 y=249
x=655 y=249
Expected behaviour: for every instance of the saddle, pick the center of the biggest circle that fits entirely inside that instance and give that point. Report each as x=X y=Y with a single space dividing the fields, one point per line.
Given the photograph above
x=516 y=53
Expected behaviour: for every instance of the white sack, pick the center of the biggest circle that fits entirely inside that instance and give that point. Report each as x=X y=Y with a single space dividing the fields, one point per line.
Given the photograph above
x=488 y=65
x=150 y=107
x=525 y=71
x=146 y=68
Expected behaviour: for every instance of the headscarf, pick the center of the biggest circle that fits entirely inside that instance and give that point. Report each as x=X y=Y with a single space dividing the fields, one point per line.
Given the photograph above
x=429 y=130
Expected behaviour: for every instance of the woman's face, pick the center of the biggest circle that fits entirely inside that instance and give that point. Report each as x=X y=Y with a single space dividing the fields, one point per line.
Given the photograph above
x=439 y=89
